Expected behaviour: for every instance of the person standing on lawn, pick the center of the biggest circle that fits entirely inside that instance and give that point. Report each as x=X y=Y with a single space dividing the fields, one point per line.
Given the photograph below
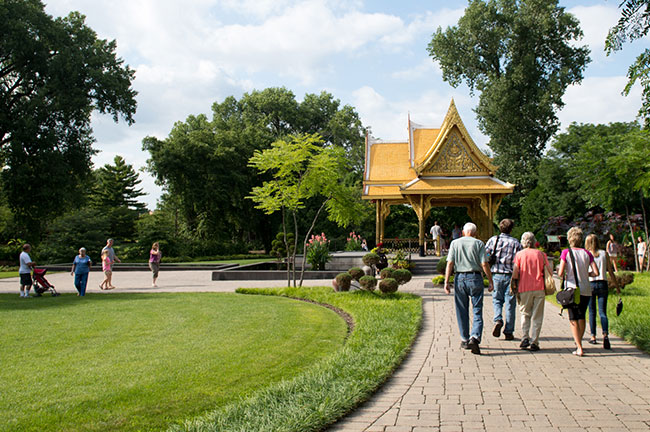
x=467 y=257
x=504 y=248
x=25 y=271
x=80 y=269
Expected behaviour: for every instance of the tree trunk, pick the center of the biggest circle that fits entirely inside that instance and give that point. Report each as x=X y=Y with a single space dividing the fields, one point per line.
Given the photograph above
x=629 y=224
x=295 y=248
x=304 y=246
x=286 y=245
x=645 y=228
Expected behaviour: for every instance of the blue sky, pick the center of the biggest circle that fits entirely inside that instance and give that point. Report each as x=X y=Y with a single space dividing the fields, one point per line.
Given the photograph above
x=369 y=54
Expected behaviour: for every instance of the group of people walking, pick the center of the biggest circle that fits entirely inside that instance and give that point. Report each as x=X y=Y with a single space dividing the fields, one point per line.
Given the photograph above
x=515 y=273
x=81 y=266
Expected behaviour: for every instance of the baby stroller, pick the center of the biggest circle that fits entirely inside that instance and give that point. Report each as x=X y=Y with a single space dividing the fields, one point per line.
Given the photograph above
x=41 y=284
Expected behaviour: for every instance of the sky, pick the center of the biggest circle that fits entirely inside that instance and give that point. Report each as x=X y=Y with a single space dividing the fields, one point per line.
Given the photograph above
x=189 y=54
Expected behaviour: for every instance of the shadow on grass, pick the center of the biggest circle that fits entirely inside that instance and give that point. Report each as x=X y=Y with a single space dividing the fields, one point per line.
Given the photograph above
x=14 y=302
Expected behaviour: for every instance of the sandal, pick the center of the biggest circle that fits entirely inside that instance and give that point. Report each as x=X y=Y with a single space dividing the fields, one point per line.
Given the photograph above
x=576 y=353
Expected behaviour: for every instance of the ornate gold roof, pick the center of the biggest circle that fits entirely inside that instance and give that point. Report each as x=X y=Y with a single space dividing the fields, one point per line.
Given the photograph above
x=438 y=161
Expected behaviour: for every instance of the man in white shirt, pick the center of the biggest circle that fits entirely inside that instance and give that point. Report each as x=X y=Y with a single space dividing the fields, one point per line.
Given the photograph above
x=25 y=271
x=436 y=231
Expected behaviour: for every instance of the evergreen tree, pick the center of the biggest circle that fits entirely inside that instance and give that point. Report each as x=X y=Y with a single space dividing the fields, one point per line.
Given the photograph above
x=116 y=194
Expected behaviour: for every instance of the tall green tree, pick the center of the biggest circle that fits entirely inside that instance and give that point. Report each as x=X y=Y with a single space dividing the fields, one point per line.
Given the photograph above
x=613 y=171
x=53 y=74
x=520 y=55
x=203 y=163
x=634 y=24
x=302 y=169
x=115 y=192
x=556 y=193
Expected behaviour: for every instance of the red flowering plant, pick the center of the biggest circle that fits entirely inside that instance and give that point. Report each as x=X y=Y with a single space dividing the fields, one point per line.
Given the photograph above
x=318 y=251
x=353 y=242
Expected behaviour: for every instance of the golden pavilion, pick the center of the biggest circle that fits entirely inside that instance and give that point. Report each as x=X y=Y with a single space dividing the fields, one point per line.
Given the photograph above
x=433 y=168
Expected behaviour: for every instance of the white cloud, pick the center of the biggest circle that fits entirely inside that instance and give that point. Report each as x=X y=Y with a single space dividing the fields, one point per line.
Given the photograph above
x=388 y=119
x=599 y=100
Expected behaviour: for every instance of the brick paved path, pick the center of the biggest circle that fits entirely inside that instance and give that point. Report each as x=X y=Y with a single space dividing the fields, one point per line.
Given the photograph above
x=441 y=387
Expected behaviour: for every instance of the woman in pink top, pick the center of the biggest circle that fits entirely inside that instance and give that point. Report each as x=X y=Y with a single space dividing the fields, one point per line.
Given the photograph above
x=584 y=268
x=529 y=270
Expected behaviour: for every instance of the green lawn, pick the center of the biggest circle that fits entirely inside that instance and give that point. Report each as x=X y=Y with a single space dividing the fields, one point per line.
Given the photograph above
x=385 y=327
x=8 y=274
x=634 y=323
x=144 y=361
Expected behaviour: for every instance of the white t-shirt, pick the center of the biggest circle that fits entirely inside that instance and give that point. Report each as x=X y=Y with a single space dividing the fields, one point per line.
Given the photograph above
x=24 y=261
x=601 y=263
x=435 y=231
x=583 y=261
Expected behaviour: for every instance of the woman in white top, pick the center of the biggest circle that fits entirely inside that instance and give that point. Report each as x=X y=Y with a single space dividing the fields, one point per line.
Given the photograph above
x=599 y=289
x=585 y=267
x=640 y=251
x=612 y=250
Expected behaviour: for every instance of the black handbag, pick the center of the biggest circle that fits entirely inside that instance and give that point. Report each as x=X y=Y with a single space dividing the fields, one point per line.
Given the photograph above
x=493 y=256
x=567 y=296
x=619 y=306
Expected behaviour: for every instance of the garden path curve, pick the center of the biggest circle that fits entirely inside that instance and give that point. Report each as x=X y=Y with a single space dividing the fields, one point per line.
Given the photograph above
x=440 y=387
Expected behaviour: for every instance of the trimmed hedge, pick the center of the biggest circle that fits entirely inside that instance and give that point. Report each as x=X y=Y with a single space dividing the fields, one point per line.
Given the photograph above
x=368 y=283
x=388 y=285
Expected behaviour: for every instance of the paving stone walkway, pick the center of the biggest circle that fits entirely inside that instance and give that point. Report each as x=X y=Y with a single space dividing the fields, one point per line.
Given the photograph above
x=441 y=387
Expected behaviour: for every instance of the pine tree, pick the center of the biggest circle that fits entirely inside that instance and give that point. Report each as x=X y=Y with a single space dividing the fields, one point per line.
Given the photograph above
x=116 y=186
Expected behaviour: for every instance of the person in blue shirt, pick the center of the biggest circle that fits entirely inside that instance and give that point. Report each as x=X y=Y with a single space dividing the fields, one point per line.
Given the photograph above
x=80 y=269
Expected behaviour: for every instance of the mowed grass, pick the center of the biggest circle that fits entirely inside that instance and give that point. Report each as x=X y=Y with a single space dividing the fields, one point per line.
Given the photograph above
x=9 y=274
x=385 y=327
x=634 y=323
x=127 y=362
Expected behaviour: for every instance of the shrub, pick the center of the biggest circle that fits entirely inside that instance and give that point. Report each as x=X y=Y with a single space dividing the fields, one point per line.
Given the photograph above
x=356 y=273
x=400 y=261
x=353 y=242
x=370 y=259
x=402 y=276
x=318 y=251
x=387 y=272
x=388 y=285
x=438 y=280
x=442 y=265
x=368 y=283
x=278 y=246
x=343 y=280
x=624 y=278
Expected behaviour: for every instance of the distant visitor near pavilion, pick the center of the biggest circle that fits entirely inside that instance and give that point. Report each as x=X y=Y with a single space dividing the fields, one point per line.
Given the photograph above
x=433 y=168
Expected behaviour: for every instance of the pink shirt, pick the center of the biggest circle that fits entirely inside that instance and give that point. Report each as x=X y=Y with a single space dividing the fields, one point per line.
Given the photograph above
x=107 y=264
x=530 y=263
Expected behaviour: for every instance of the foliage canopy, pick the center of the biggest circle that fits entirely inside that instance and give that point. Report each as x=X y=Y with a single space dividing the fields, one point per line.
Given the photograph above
x=520 y=56
x=53 y=74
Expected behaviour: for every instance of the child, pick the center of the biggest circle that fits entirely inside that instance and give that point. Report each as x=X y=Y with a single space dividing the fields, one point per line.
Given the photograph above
x=107 y=267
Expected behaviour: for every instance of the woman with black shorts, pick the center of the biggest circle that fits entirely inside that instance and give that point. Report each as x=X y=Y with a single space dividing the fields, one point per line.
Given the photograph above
x=584 y=268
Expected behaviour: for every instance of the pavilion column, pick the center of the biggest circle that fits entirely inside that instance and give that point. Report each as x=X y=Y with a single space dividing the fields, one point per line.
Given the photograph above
x=378 y=223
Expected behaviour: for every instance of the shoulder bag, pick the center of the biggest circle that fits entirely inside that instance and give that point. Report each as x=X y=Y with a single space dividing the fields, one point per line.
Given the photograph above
x=493 y=256
x=567 y=296
x=549 y=282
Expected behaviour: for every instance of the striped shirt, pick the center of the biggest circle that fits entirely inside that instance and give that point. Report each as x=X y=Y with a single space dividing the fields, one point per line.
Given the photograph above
x=506 y=250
